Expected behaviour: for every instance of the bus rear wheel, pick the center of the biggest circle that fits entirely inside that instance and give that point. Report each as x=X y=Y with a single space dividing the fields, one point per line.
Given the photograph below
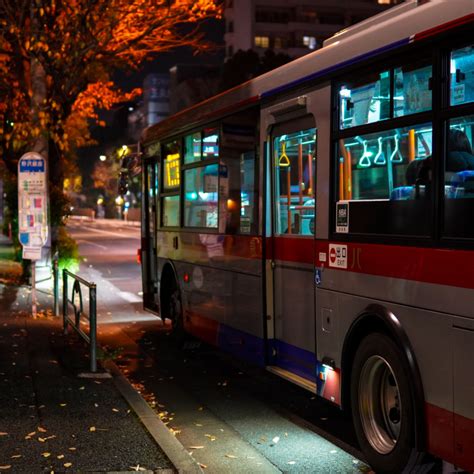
x=173 y=308
x=382 y=406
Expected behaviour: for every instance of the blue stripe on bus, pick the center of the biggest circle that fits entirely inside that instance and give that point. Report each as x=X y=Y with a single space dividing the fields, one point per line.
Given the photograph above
x=252 y=349
x=294 y=359
x=242 y=345
x=336 y=67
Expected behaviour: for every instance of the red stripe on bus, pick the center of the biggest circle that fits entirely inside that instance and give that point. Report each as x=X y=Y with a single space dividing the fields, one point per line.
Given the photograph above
x=291 y=249
x=440 y=432
x=450 y=436
x=445 y=27
x=428 y=265
x=464 y=442
x=243 y=246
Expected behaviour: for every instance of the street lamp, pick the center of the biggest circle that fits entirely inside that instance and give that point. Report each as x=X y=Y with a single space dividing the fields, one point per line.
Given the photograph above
x=102 y=157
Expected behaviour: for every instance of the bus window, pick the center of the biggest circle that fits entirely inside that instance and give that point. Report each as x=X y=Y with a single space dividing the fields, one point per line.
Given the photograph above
x=365 y=101
x=248 y=193
x=192 y=148
x=170 y=211
x=412 y=89
x=294 y=158
x=239 y=174
x=200 y=196
x=386 y=176
x=210 y=144
x=459 y=178
x=462 y=76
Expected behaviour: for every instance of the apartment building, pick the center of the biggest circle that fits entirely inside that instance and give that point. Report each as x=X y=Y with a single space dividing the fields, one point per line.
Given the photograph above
x=293 y=27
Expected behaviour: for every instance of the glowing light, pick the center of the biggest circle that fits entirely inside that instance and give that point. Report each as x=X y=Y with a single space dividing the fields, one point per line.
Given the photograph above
x=119 y=200
x=172 y=176
x=102 y=157
x=344 y=92
x=100 y=201
x=231 y=205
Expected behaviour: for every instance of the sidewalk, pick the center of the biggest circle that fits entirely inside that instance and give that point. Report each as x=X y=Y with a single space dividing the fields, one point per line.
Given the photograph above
x=51 y=420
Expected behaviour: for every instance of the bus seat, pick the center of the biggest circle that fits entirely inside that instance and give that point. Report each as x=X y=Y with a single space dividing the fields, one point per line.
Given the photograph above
x=402 y=193
x=462 y=183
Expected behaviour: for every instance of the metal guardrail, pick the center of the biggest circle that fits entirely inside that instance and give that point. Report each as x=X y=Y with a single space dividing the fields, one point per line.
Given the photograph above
x=77 y=304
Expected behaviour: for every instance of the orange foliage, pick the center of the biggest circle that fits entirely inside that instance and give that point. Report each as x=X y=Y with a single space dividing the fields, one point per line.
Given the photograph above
x=79 y=43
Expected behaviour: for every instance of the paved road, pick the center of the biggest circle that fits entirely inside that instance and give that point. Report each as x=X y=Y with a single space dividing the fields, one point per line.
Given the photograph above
x=233 y=417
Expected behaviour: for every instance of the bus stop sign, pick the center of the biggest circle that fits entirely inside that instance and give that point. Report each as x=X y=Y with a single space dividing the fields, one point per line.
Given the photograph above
x=32 y=205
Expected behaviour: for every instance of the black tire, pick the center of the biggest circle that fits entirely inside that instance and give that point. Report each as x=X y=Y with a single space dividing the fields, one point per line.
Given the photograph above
x=176 y=312
x=172 y=307
x=383 y=408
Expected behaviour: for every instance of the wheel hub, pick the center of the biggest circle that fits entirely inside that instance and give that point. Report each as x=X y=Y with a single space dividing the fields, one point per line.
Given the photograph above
x=380 y=404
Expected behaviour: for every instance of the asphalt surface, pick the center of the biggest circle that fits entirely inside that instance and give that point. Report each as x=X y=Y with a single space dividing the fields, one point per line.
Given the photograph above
x=50 y=419
x=232 y=417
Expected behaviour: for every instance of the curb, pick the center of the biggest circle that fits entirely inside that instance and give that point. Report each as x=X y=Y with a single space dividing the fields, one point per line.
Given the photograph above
x=176 y=452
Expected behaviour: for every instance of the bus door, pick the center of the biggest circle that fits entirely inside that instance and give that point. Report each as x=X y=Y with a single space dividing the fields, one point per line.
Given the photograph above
x=293 y=155
x=148 y=244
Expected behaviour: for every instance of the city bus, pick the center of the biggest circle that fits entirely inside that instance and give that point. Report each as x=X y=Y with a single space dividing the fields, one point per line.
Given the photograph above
x=309 y=221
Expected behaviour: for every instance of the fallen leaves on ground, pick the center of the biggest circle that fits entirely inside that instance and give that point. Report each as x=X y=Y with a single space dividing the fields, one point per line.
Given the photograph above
x=4 y=468
x=137 y=468
x=46 y=455
x=196 y=447
x=231 y=456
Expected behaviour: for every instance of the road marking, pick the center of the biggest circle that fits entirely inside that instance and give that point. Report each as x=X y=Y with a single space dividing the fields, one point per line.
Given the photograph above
x=103 y=247
x=130 y=297
x=115 y=234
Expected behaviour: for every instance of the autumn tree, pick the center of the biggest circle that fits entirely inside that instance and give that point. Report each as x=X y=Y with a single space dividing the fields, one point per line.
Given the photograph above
x=57 y=58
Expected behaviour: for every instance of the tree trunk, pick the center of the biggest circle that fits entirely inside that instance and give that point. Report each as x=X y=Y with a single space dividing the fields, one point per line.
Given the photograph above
x=40 y=145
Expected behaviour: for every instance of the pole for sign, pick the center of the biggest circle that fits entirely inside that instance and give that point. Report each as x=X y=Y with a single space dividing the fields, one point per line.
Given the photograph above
x=33 y=288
